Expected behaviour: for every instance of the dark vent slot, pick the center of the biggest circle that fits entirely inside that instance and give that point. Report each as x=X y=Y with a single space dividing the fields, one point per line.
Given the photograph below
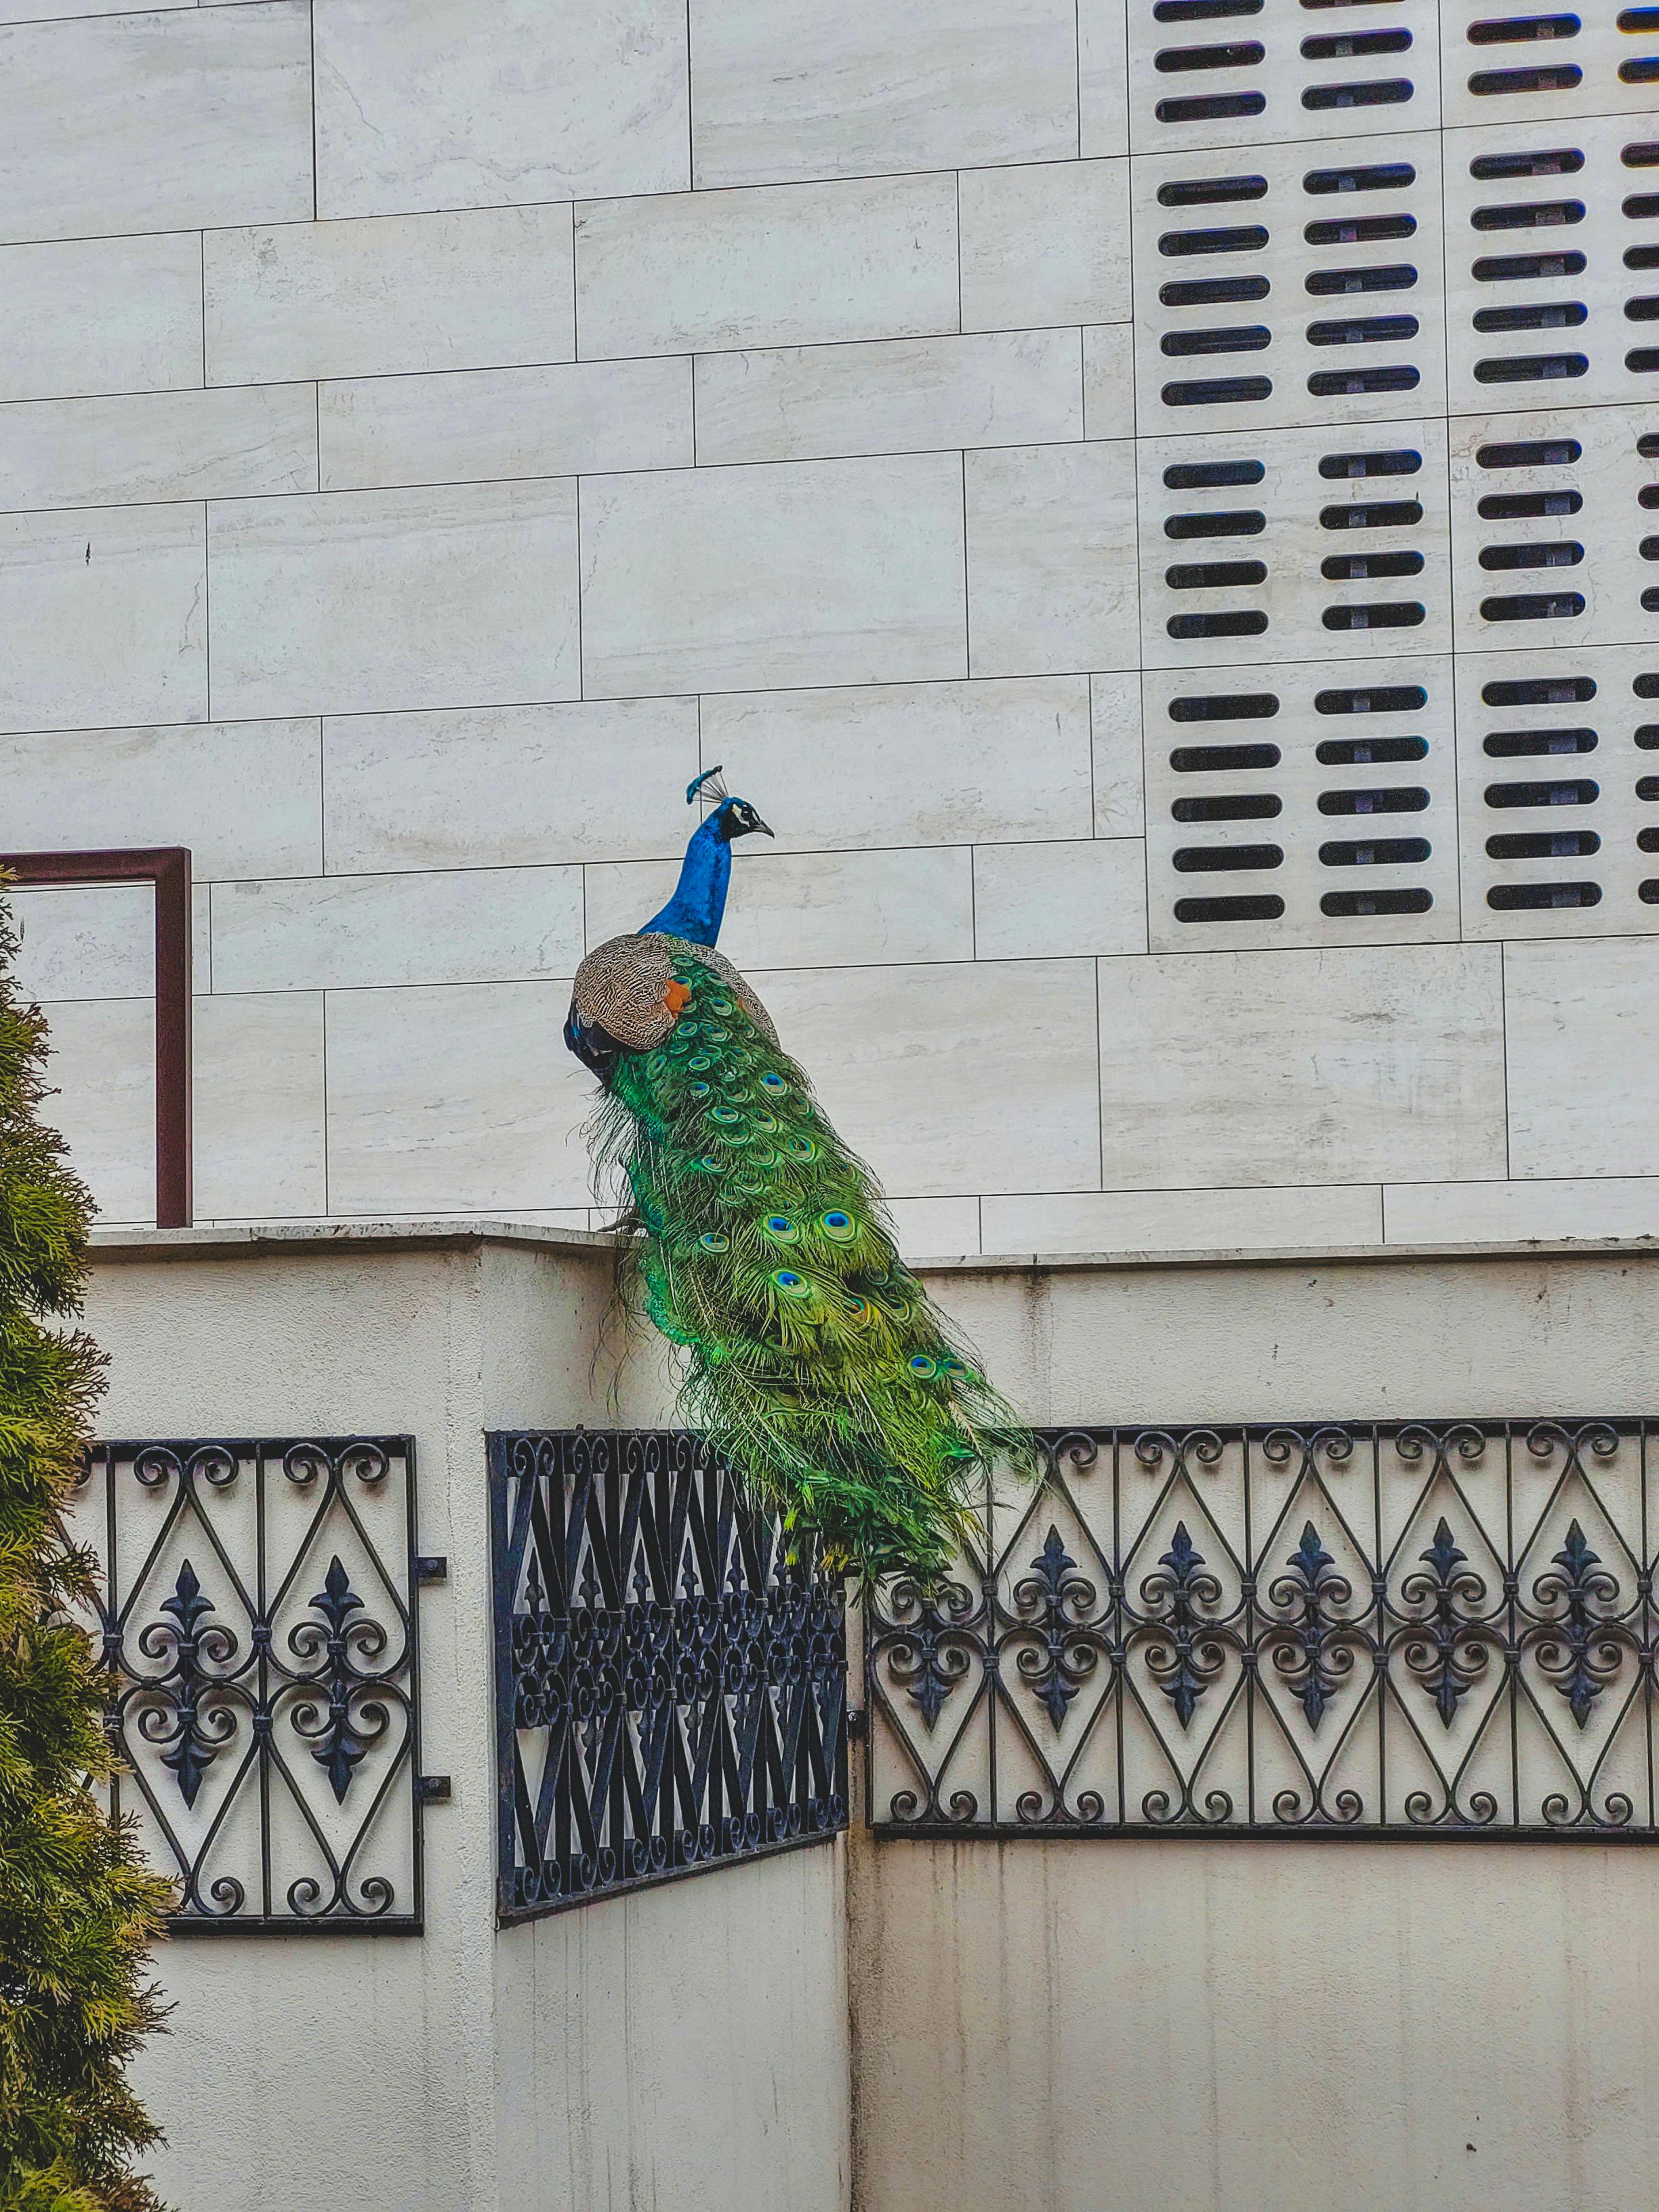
x=1642 y=257
x=1507 y=896
x=1379 y=852
x=1639 y=19
x=1375 y=177
x=1643 y=155
x=1372 y=514
x=1364 y=330
x=1212 y=291
x=1217 y=391
x=1242 y=54
x=1534 y=606
x=1643 y=360
x=1402 y=462
x=1398 y=799
x=1342 y=905
x=1543 y=845
x=1530 y=367
x=1545 y=315
x=1517 y=30
x=1526 y=267
x=1530 y=453
x=1381 y=699
x=1539 y=691
x=1241 y=238
x=1646 y=687
x=1225 y=859
x=1210 y=107
x=1207 y=476
x=1565 y=553
x=1557 y=161
x=1643 y=310
x=1244 y=807
x=1204 y=191
x=1561 y=78
x=1522 y=505
x=1239 y=522
x=1262 y=909
x=1528 y=215
x=1639 y=206
x=1530 y=744
x=1647 y=786
x=1239 y=622
x=1386 y=277
x=1382 y=91
x=1647 y=840
x=1580 y=793
x=1648 y=549
x=1642 y=72
x=1647 y=737
x=1369 y=753
x=1404 y=614
x=1225 y=707
x=1202 y=11
x=1222 y=760
x=1344 y=45
x=1214 y=575
x=1360 y=567
x=1325 y=383
x=1358 y=229
x=1647 y=891
x=1249 y=337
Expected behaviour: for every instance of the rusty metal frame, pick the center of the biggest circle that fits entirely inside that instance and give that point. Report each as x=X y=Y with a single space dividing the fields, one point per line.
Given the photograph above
x=167 y=869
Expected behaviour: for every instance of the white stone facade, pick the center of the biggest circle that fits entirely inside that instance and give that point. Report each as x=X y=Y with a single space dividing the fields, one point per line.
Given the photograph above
x=429 y=434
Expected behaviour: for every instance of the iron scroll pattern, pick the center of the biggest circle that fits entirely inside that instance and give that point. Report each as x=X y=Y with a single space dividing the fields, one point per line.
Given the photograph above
x=257 y=1615
x=1428 y=1629
x=671 y=1688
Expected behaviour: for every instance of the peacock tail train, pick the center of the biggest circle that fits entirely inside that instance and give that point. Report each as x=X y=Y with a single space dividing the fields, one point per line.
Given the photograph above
x=816 y=1362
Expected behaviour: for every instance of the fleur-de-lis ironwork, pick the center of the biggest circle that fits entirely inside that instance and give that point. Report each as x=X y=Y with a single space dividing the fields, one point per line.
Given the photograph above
x=1446 y=1652
x=1187 y=1656
x=347 y=1736
x=930 y=1659
x=1310 y=1648
x=1577 y=1651
x=1049 y=1601
x=197 y=1739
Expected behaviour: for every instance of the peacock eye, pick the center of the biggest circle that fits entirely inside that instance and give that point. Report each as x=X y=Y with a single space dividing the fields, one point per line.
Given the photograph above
x=836 y=1225
x=773 y=1081
x=719 y=1005
x=686 y=1029
x=712 y=1242
x=699 y=1061
x=724 y=1114
x=780 y=1225
x=921 y=1365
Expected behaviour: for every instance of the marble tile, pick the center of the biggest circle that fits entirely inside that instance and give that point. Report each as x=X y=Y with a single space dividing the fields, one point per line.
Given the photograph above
x=820 y=572
x=347 y=601
x=259 y=1106
x=952 y=1080
x=1103 y=77
x=1582 y=1021
x=1051 y=581
x=1045 y=243
x=793 y=265
x=53 y=11
x=245 y=797
x=1120 y=757
x=1108 y=380
x=102 y=1071
x=909 y=764
x=1521 y=1212
x=479 y=289
x=467 y=426
x=509 y=786
x=935 y=1228
x=461 y=1097
x=782 y=88
x=158 y=446
x=440 y=926
x=1048 y=901
x=99 y=943
x=163 y=121
x=100 y=314
x=1341 y=1066
x=1185 y=1220
x=812 y=910
x=103 y=618
x=431 y=103
x=900 y=395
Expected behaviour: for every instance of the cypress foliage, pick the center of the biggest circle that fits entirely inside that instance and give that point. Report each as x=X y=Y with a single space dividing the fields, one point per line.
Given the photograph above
x=77 y=1911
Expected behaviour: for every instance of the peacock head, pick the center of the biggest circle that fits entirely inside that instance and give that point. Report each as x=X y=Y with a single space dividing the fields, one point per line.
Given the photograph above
x=731 y=817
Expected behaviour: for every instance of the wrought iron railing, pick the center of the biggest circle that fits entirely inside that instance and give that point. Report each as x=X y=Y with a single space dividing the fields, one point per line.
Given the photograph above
x=257 y=1609
x=671 y=1690
x=1347 y=1628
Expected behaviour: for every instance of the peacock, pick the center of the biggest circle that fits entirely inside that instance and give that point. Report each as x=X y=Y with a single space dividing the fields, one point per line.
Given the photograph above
x=816 y=1363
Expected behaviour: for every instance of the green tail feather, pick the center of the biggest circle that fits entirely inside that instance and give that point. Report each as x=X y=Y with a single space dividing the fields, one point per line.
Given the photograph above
x=818 y=1365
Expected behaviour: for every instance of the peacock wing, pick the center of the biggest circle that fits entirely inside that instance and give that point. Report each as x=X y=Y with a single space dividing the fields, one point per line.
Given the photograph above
x=621 y=989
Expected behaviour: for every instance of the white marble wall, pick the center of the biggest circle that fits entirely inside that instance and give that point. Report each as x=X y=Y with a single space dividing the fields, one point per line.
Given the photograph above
x=429 y=434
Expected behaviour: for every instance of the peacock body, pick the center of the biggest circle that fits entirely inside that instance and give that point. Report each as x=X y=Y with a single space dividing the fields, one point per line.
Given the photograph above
x=815 y=1360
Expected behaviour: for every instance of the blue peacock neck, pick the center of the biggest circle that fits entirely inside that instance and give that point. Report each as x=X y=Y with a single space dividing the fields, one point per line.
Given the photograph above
x=699 y=902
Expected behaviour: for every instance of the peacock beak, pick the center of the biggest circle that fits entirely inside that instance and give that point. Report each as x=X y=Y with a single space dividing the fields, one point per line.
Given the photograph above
x=765 y=828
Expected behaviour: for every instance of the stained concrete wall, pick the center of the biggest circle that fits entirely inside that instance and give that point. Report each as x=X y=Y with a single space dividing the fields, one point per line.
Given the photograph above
x=686 y=2046
x=1225 y=2026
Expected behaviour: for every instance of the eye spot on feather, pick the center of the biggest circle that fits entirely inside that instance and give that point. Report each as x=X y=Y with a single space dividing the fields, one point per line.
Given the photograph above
x=697 y=1090
x=779 y=1227
x=773 y=1081
x=923 y=1365
x=725 y=1115
x=837 y=1226
x=711 y=1241
x=719 y=1005
x=689 y=1030
x=698 y=1062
